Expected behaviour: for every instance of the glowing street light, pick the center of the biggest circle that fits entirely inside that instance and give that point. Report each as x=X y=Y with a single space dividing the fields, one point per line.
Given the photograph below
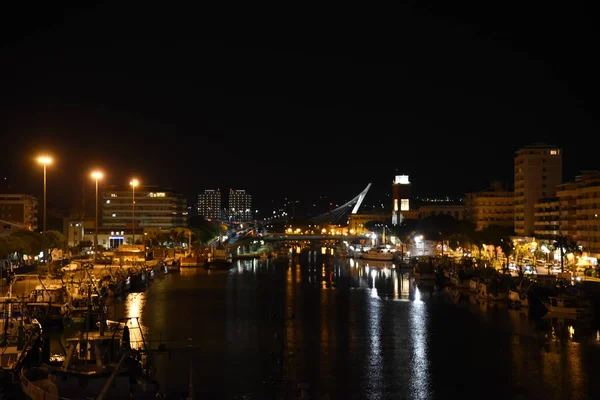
x=44 y=160
x=96 y=175
x=133 y=183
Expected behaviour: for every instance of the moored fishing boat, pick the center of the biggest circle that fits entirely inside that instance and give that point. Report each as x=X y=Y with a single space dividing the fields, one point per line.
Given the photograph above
x=98 y=365
x=491 y=292
x=380 y=253
x=47 y=303
x=568 y=304
x=138 y=277
x=21 y=337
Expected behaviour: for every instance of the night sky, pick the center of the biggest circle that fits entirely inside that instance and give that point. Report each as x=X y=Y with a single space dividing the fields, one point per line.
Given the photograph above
x=297 y=104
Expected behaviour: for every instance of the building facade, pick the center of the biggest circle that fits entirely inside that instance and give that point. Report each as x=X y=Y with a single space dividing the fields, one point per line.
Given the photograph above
x=492 y=206
x=240 y=206
x=357 y=222
x=209 y=204
x=154 y=207
x=401 y=198
x=579 y=210
x=7 y=228
x=457 y=211
x=20 y=209
x=77 y=230
x=537 y=173
x=547 y=218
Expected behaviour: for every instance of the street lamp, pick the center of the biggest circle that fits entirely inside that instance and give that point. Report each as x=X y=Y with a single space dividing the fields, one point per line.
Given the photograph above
x=97 y=176
x=133 y=183
x=44 y=160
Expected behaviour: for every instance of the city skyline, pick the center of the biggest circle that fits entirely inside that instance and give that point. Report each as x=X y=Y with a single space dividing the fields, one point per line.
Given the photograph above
x=439 y=96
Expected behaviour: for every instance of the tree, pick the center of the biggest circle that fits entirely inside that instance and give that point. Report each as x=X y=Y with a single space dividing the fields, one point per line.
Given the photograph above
x=506 y=245
x=465 y=235
x=53 y=240
x=204 y=230
x=404 y=232
x=181 y=235
x=32 y=238
x=439 y=227
x=565 y=245
x=164 y=239
x=499 y=237
x=10 y=246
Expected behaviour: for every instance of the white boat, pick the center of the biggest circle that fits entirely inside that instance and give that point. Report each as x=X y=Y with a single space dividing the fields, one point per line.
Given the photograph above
x=377 y=253
x=518 y=298
x=485 y=291
x=571 y=305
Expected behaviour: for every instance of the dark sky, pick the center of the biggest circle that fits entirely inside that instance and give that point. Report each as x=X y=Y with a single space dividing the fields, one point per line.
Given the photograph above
x=294 y=102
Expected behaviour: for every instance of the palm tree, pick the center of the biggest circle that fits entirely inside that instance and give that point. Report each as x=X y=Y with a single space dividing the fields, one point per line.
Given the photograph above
x=568 y=245
x=497 y=236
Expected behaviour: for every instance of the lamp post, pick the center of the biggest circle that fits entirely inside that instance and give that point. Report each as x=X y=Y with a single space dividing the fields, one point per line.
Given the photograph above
x=97 y=176
x=44 y=160
x=133 y=183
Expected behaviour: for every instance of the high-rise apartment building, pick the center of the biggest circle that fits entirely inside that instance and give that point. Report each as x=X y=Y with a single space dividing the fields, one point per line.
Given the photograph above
x=209 y=204
x=547 y=218
x=401 y=194
x=579 y=209
x=154 y=208
x=20 y=209
x=492 y=206
x=538 y=172
x=240 y=206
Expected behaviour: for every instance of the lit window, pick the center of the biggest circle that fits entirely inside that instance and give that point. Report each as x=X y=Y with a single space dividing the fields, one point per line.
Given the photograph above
x=554 y=152
x=395 y=204
x=404 y=205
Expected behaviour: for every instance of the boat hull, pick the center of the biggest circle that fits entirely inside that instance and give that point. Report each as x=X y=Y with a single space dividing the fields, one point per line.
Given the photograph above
x=568 y=310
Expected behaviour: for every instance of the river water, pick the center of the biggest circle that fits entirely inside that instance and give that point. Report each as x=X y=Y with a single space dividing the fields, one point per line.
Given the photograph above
x=353 y=331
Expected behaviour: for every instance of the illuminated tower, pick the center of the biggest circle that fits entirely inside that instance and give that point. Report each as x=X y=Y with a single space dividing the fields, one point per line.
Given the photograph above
x=401 y=193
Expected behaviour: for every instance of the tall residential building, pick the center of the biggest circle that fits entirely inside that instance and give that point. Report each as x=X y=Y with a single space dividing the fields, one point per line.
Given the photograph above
x=209 y=204
x=154 y=208
x=401 y=195
x=492 y=206
x=579 y=209
x=538 y=171
x=240 y=206
x=547 y=218
x=20 y=209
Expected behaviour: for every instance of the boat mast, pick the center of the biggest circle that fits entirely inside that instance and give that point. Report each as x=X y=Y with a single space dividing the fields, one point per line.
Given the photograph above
x=191 y=383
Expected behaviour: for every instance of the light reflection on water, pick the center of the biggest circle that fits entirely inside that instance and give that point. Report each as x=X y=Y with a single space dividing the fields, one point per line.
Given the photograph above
x=418 y=325
x=374 y=378
x=134 y=303
x=358 y=331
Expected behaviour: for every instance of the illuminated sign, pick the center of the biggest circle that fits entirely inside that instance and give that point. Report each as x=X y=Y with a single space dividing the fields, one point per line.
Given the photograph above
x=401 y=180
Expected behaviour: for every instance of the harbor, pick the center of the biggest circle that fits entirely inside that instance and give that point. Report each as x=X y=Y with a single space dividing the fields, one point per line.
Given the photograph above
x=302 y=325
